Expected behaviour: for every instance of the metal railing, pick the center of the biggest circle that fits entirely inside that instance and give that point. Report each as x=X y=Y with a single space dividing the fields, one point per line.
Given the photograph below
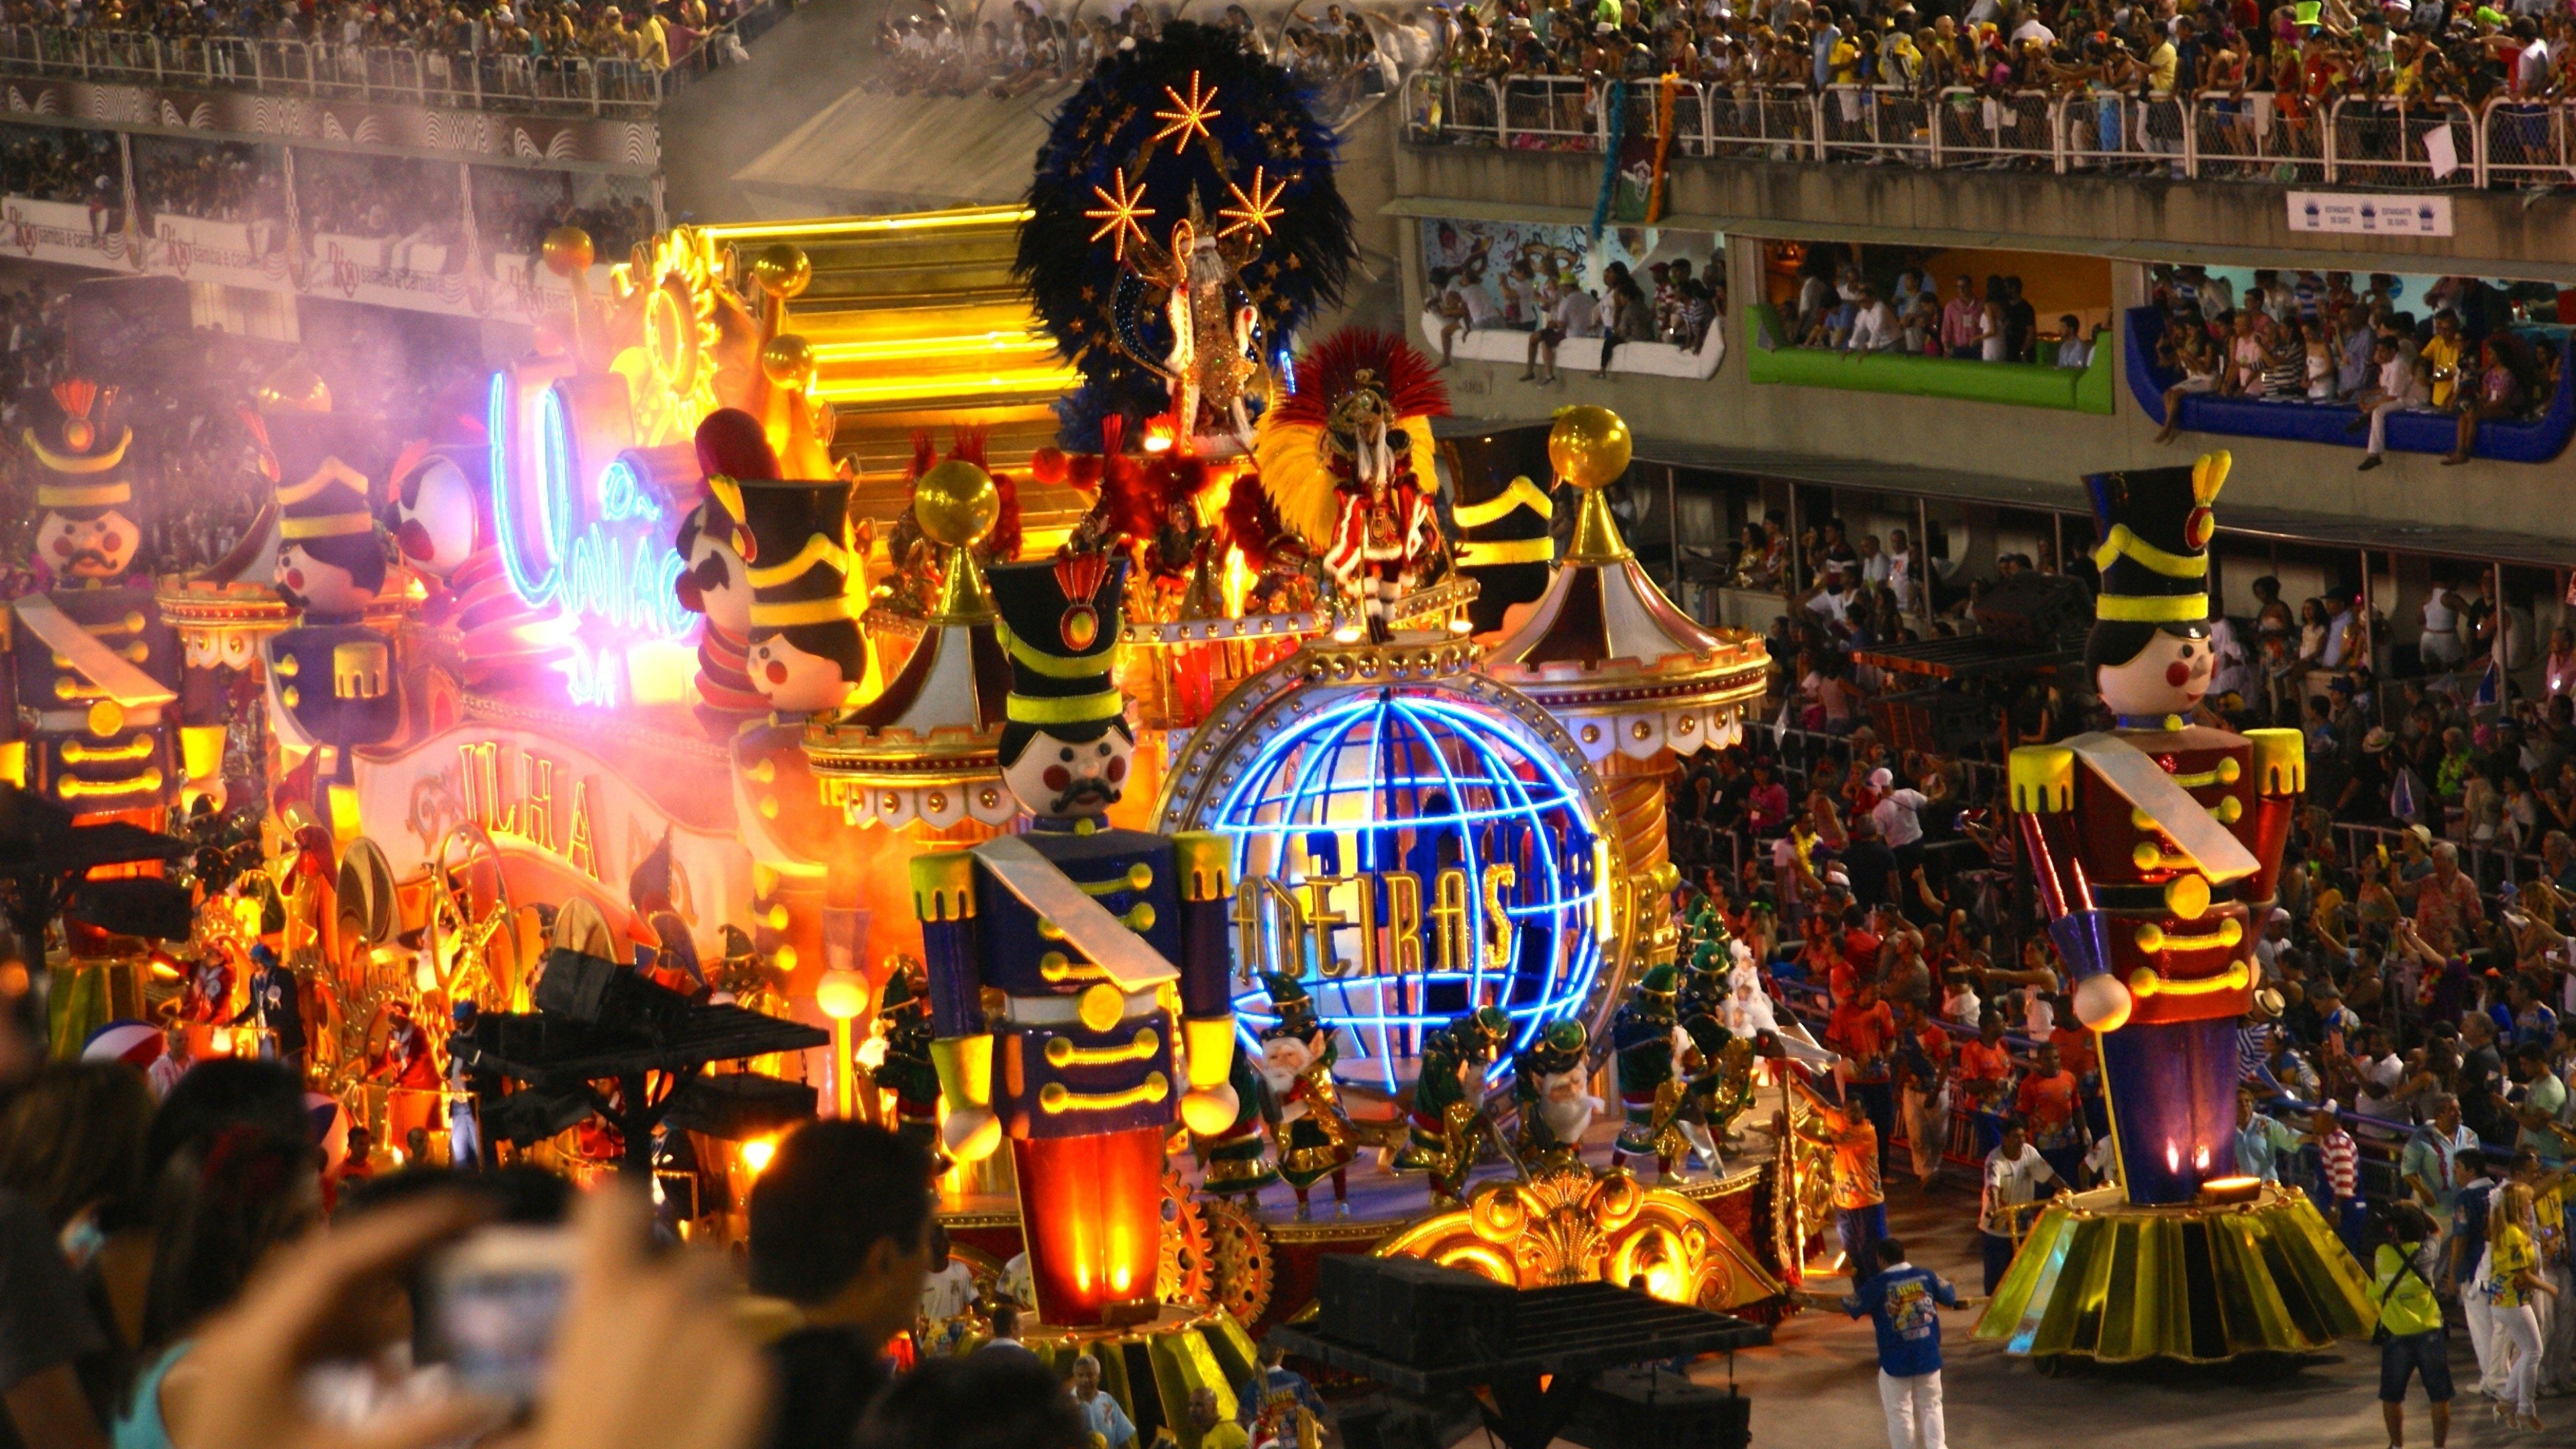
x=2254 y=136
x=397 y=74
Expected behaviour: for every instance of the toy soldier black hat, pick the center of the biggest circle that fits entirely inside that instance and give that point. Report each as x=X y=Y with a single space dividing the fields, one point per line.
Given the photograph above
x=79 y=438
x=794 y=541
x=1060 y=621
x=315 y=458
x=2154 y=526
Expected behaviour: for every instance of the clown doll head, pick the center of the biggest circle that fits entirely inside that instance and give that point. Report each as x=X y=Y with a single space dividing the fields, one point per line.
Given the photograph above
x=1066 y=745
x=84 y=533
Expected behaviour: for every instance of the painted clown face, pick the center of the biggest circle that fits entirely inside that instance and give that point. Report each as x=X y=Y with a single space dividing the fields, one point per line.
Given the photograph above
x=87 y=548
x=317 y=586
x=714 y=583
x=1061 y=779
x=2168 y=677
x=794 y=681
x=434 y=518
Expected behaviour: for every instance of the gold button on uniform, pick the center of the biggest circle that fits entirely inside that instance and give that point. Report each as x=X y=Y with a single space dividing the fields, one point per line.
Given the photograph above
x=2151 y=937
x=2229 y=771
x=2147 y=855
x=106 y=717
x=1101 y=1006
x=2229 y=810
x=2188 y=897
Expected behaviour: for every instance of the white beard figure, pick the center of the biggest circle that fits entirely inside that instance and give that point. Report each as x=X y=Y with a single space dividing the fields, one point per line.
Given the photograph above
x=1283 y=1060
x=1566 y=1107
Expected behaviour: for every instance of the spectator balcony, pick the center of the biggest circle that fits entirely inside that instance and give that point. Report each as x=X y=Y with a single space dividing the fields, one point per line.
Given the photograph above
x=2254 y=136
x=603 y=86
x=1770 y=358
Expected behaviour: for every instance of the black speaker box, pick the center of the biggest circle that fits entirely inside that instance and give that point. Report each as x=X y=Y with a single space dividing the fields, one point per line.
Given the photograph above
x=1411 y=1310
x=1638 y=1408
x=598 y=992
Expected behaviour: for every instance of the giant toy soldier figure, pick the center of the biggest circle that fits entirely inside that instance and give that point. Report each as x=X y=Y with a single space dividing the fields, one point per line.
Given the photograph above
x=331 y=679
x=2157 y=843
x=1642 y=1040
x=1072 y=931
x=96 y=670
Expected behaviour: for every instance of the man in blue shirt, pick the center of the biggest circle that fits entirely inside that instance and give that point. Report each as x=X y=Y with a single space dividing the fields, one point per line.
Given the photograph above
x=1903 y=1304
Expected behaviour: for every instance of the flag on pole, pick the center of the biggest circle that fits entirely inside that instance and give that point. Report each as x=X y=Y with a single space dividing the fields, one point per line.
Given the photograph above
x=2401 y=800
x=2490 y=685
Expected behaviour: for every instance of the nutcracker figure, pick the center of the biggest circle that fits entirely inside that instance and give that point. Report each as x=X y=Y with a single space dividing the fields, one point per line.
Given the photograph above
x=98 y=725
x=1449 y=1100
x=1556 y=1102
x=2155 y=844
x=331 y=679
x=805 y=656
x=715 y=581
x=1049 y=953
x=1315 y=1139
x=1643 y=1042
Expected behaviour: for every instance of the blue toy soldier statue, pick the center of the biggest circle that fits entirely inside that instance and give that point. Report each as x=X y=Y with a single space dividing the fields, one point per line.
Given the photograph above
x=1071 y=932
x=331 y=679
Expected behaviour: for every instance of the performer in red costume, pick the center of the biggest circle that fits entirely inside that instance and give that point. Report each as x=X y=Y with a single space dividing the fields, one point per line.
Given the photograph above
x=2156 y=845
x=1386 y=529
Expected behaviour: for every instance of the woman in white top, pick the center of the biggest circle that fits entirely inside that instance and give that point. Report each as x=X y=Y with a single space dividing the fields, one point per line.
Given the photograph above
x=1990 y=334
x=2439 y=645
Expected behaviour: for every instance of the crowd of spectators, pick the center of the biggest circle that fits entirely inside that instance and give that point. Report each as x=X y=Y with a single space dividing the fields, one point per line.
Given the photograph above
x=2261 y=68
x=650 y=36
x=1345 y=55
x=1839 y=305
x=1543 y=296
x=2298 y=337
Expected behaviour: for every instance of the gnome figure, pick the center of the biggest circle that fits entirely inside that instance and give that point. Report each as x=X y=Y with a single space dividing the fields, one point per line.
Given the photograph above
x=1550 y=1080
x=1051 y=954
x=1315 y=1139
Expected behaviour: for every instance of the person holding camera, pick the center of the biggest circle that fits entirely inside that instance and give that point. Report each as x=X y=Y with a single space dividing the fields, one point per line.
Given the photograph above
x=2410 y=1336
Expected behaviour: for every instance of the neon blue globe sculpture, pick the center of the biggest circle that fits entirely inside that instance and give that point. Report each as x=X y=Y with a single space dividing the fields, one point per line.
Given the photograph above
x=1410 y=843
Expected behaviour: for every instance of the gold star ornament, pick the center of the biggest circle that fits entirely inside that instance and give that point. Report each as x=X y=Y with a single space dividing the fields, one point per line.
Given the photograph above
x=1253 y=210
x=1188 y=117
x=1118 y=213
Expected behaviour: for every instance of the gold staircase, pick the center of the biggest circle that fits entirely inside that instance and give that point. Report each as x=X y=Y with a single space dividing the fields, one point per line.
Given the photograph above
x=917 y=322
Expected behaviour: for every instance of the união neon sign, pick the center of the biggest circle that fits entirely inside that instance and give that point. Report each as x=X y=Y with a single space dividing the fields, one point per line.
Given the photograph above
x=610 y=566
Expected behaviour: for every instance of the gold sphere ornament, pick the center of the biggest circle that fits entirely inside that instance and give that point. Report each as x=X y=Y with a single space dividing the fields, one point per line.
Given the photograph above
x=782 y=270
x=842 y=995
x=568 y=250
x=787 y=361
x=957 y=503
x=1589 y=445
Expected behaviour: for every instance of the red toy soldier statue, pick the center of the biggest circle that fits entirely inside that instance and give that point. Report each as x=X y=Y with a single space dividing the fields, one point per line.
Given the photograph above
x=2157 y=843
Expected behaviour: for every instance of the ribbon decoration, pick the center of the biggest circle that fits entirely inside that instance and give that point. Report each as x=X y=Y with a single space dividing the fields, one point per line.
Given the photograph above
x=1616 y=99
x=1666 y=89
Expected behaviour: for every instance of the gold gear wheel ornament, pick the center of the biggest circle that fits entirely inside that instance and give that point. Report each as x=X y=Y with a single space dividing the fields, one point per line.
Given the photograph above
x=670 y=365
x=466 y=944
x=1243 y=1272
x=1182 y=1274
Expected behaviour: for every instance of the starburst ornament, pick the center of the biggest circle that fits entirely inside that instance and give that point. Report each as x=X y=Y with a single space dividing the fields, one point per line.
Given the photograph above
x=1253 y=210
x=1188 y=117
x=1118 y=213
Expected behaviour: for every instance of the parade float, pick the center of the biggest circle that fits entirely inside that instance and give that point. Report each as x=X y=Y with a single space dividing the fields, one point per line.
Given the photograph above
x=987 y=673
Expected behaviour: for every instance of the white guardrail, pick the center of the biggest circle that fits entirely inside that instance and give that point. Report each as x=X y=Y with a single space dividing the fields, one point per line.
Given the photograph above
x=2254 y=136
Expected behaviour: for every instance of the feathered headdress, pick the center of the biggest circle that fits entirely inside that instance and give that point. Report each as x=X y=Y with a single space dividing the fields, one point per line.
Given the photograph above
x=1187 y=127
x=1355 y=369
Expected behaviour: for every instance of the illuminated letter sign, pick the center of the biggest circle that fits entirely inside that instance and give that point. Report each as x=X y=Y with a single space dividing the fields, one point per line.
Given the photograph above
x=599 y=546
x=1411 y=857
